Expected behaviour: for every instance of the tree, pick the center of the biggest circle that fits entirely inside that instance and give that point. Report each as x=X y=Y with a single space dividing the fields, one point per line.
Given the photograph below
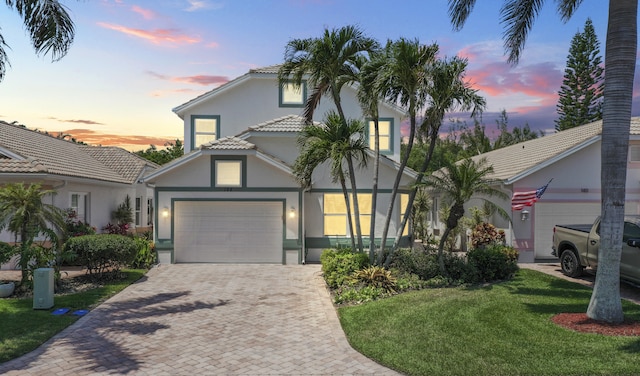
x=404 y=79
x=506 y=138
x=172 y=151
x=335 y=143
x=49 y=26
x=23 y=213
x=458 y=183
x=620 y=61
x=447 y=91
x=580 y=95
x=329 y=63
x=369 y=96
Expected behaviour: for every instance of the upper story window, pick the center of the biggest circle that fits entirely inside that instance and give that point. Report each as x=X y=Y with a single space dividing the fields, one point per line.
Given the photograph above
x=229 y=172
x=385 y=131
x=292 y=96
x=204 y=129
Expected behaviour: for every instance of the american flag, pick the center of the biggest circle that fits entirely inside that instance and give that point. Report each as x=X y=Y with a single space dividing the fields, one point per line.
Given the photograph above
x=521 y=199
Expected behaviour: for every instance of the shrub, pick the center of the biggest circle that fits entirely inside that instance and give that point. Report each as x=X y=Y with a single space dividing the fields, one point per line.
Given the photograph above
x=423 y=263
x=7 y=251
x=145 y=254
x=103 y=253
x=338 y=265
x=75 y=227
x=485 y=234
x=357 y=294
x=376 y=276
x=117 y=229
x=494 y=262
x=407 y=281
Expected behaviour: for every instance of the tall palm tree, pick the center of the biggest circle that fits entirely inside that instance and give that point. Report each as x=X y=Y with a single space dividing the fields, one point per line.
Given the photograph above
x=49 y=26
x=369 y=96
x=404 y=79
x=23 y=213
x=620 y=62
x=328 y=63
x=447 y=91
x=335 y=143
x=458 y=183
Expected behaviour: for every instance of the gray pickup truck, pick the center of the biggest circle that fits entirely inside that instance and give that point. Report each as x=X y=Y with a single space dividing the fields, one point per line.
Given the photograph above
x=577 y=247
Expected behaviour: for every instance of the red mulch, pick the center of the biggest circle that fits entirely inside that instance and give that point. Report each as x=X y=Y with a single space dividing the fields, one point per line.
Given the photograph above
x=579 y=322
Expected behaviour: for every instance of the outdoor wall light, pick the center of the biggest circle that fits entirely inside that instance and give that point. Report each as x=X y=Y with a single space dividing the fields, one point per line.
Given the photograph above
x=165 y=212
x=292 y=212
x=524 y=215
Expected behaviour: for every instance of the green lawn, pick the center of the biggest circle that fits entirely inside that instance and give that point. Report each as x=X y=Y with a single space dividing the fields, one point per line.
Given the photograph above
x=23 y=329
x=500 y=329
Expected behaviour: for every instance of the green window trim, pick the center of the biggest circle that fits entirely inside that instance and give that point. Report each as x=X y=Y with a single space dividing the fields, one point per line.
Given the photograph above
x=229 y=158
x=194 y=134
x=282 y=102
x=390 y=136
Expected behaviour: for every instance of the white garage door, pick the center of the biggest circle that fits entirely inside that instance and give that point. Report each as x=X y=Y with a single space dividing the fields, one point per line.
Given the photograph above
x=228 y=232
x=551 y=214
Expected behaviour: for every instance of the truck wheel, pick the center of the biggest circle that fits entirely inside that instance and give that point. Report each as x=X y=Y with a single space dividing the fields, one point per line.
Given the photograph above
x=570 y=264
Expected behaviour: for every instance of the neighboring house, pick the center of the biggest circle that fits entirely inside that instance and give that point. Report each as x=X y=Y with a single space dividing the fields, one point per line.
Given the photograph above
x=572 y=159
x=91 y=180
x=233 y=198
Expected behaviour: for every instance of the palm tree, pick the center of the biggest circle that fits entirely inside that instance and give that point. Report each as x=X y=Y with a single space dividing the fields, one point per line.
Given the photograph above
x=404 y=79
x=458 y=183
x=620 y=63
x=328 y=63
x=369 y=96
x=335 y=143
x=23 y=213
x=49 y=26
x=448 y=91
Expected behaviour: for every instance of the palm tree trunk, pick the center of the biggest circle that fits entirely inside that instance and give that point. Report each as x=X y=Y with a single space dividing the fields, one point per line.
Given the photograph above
x=345 y=192
x=396 y=184
x=356 y=207
x=24 y=253
x=374 y=194
x=620 y=60
x=443 y=239
x=412 y=197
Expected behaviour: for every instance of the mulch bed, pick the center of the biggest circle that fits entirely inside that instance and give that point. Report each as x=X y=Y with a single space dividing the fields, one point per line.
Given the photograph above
x=579 y=322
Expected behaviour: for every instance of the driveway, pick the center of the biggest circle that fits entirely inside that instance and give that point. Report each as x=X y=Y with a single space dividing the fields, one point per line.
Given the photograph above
x=203 y=319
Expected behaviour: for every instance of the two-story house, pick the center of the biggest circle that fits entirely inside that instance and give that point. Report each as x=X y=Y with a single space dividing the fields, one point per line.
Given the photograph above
x=233 y=198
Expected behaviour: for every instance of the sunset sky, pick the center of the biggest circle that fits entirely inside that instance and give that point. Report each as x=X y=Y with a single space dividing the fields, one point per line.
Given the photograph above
x=133 y=61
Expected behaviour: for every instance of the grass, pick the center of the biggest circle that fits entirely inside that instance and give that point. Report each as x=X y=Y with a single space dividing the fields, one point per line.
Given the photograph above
x=24 y=329
x=499 y=329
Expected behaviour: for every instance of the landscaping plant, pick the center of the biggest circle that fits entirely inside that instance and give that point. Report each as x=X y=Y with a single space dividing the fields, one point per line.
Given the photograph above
x=103 y=255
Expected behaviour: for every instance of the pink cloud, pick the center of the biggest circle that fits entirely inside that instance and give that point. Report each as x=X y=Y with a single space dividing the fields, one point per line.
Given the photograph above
x=147 y=14
x=204 y=80
x=541 y=81
x=157 y=36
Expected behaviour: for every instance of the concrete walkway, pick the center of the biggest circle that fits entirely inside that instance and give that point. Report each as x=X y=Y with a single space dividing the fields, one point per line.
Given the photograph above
x=203 y=319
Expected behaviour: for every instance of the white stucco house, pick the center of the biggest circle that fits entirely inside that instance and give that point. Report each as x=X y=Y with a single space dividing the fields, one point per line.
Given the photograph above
x=232 y=198
x=572 y=159
x=91 y=180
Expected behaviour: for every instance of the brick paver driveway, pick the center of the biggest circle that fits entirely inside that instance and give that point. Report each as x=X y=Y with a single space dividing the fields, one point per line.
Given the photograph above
x=197 y=319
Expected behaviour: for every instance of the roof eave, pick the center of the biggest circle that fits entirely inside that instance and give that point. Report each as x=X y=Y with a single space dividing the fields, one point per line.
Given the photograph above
x=552 y=160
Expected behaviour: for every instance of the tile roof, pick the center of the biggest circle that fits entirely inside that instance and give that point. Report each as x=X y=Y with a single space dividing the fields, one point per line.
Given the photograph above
x=42 y=153
x=271 y=69
x=228 y=143
x=516 y=161
x=289 y=123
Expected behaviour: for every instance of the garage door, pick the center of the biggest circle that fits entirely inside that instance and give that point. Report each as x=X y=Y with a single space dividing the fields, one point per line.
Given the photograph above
x=551 y=214
x=228 y=232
